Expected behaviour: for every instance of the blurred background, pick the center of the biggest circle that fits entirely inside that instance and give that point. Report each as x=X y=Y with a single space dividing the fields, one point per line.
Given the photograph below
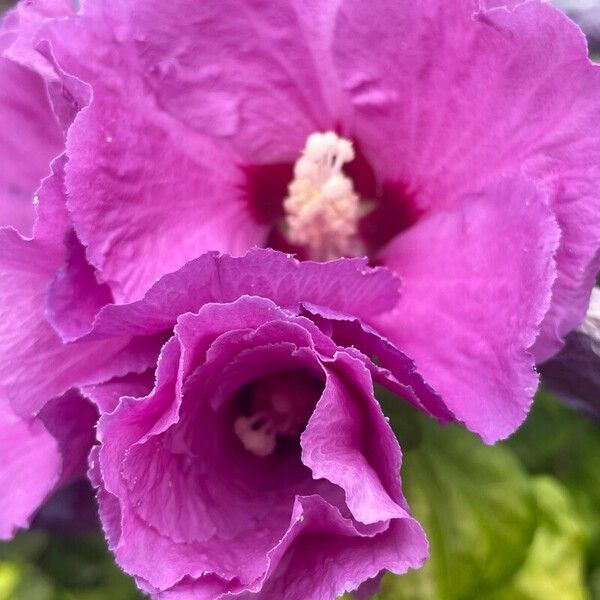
x=518 y=521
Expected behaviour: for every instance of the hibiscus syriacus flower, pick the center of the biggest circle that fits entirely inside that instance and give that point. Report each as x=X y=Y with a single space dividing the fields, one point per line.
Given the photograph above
x=256 y=460
x=253 y=457
x=454 y=141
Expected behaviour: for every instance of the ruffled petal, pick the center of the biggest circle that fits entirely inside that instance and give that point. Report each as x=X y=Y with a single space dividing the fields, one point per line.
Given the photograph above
x=106 y=395
x=20 y=28
x=388 y=365
x=206 y=518
x=323 y=554
x=477 y=283
x=29 y=344
x=347 y=286
x=348 y=442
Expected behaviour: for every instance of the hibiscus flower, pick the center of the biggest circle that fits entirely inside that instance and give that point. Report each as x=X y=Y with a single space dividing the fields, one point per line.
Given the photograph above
x=255 y=461
x=455 y=142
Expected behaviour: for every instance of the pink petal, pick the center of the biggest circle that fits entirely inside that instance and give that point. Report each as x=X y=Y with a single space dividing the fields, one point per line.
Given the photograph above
x=29 y=139
x=477 y=281
x=31 y=465
x=29 y=344
x=348 y=442
x=347 y=286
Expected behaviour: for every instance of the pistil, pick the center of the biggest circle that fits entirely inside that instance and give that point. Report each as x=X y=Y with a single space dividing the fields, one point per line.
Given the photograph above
x=279 y=407
x=322 y=208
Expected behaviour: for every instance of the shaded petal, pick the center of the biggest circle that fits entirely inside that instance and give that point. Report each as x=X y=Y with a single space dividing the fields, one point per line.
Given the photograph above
x=348 y=442
x=70 y=510
x=106 y=395
x=31 y=465
x=574 y=373
x=52 y=219
x=477 y=283
x=41 y=454
x=71 y=420
x=74 y=295
x=449 y=99
x=389 y=367
x=29 y=344
x=29 y=138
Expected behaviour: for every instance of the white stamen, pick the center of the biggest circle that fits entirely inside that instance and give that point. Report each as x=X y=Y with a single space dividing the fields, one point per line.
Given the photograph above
x=322 y=208
x=258 y=433
x=258 y=440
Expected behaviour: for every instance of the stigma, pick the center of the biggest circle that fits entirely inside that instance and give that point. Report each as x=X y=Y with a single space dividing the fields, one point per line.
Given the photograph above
x=278 y=418
x=279 y=408
x=322 y=209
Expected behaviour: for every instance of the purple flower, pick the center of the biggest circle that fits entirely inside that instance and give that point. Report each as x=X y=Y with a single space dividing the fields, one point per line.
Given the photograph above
x=256 y=461
x=455 y=143
x=257 y=388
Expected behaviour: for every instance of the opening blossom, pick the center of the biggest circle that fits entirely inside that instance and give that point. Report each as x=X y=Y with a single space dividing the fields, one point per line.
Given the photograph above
x=256 y=462
x=454 y=142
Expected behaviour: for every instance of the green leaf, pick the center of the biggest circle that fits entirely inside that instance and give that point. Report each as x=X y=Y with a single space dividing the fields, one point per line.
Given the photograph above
x=24 y=582
x=83 y=569
x=403 y=419
x=566 y=444
x=25 y=546
x=478 y=509
x=548 y=431
x=554 y=564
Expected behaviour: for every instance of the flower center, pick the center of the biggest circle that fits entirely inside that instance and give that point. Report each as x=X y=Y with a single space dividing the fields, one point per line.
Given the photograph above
x=279 y=407
x=322 y=210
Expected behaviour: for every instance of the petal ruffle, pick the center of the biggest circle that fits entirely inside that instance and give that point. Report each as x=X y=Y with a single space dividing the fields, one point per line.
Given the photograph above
x=477 y=283
x=347 y=286
x=29 y=344
x=321 y=556
x=348 y=441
